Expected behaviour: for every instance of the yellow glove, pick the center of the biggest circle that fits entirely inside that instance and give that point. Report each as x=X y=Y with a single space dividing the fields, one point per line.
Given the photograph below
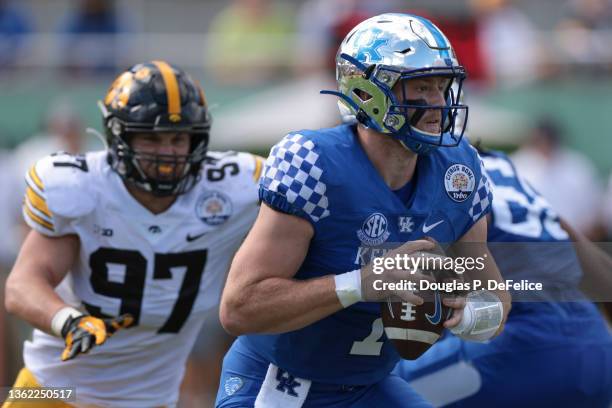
x=81 y=333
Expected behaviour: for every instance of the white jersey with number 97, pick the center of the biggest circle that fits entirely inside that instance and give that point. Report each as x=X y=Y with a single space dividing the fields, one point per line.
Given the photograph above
x=167 y=270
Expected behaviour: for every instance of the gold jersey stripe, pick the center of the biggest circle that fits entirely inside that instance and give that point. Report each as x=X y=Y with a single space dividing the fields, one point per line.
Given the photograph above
x=26 y=202
x=37 y=219
x=37 y=202
x=35 y=178
x=37 y=212
x=258 y=167
x=30 y=183
x=172 y=88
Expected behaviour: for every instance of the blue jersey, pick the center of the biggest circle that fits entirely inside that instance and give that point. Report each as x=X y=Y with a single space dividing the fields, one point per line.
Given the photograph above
x=543 y=341
x=525 y=223
x=326 y=178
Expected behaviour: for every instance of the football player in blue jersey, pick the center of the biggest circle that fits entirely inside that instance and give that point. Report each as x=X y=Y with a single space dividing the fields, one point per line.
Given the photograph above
x=556 y=350
x=331 y=199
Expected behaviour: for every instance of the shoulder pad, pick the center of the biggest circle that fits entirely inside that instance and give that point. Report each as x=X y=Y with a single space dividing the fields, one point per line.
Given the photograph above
x=233 y=167
x=235 y=173
x=57 y=191
x=293 y=178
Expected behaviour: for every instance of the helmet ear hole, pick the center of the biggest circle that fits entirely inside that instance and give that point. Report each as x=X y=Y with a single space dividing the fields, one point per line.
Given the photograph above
x=362 y=95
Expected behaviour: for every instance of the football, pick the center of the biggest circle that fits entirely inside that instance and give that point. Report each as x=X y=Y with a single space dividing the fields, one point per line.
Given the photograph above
x=414 y=329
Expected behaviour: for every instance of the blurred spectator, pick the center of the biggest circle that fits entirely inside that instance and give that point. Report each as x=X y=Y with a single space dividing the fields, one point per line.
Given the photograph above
x=508 y=40
x=323 y=24
x=339 y=29
x=316 y=38
x=62 y=131
x=91 y=42
x=9 y=212
x=14 y=23
x=588 y=14
x=251 y=41
x=563 y=176
x=607 y=209
x=463 y=31
x=583 y=35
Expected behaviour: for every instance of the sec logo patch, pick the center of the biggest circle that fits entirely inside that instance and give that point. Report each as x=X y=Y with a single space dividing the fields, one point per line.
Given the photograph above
x=459 y=182
x=374 y=230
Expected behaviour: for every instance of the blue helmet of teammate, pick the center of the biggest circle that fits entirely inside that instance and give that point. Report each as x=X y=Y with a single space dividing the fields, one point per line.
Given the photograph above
x=377 y=56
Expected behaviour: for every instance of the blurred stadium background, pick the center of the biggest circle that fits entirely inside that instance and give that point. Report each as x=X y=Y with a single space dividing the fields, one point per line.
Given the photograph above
x=540 y=81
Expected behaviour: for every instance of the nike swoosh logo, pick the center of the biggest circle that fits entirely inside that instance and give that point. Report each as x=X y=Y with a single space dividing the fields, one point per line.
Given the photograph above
x=191 y=238
x=437 y=316
x=427 y=228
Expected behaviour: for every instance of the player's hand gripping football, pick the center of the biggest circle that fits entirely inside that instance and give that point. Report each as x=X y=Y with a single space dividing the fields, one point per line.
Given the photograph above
x=371 y=290
x=81 y=333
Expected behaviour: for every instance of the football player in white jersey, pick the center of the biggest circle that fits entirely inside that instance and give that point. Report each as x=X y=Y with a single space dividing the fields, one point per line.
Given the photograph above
x=137 y=237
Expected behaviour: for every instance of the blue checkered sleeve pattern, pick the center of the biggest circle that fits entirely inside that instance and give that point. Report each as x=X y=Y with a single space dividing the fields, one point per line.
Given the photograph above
x=291 y=180
x=483 y=196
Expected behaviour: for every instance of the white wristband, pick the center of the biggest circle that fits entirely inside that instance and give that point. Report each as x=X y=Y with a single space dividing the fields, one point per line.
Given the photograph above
x=348 y=287
x=482 y=316
x=60 y=318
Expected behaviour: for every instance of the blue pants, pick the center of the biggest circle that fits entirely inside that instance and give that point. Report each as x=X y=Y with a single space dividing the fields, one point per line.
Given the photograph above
x=542 y=359
x=243 y=375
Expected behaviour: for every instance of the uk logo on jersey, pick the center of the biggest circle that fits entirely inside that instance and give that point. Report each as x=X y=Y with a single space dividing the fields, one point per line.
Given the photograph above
x=374 y=230
x=405 y=224
x=287 y=383
x=459 y=181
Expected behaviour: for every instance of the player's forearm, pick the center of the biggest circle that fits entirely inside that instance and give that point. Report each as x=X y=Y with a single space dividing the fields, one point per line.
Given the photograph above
x=278 y=305
x=33 y=300
x=596 y=265
x=490 y=271
x=492 y=274
x=473 y=245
